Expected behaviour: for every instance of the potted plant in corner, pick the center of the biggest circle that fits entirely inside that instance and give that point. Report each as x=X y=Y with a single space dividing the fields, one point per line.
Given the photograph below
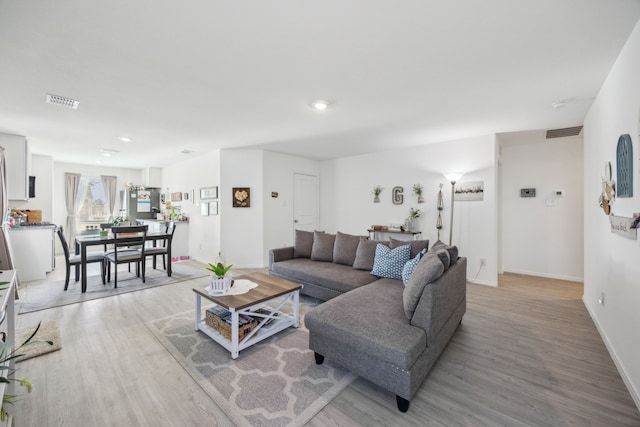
x=220 y=281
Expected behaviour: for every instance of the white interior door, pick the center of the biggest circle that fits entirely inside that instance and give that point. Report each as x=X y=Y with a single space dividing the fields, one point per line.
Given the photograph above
x=305 y=202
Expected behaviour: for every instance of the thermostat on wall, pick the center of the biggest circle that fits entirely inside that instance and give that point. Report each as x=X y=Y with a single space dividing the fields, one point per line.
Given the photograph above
x=527 y=192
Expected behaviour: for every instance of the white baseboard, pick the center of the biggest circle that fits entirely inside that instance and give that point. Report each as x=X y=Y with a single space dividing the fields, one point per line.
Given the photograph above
x=548 y=276
x=633 y=391
x=483 y=282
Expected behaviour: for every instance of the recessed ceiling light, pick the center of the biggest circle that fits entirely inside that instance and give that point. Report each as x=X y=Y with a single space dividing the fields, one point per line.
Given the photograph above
x=320 y=104
x=560 y=104
x=125 y=139
x=107 y=152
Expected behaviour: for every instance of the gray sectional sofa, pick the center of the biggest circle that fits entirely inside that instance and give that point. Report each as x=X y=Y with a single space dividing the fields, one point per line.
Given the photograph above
x=386 y=331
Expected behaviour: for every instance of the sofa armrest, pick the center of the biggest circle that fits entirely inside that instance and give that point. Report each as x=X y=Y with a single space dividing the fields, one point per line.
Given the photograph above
x=441 y=298
x=280 y=254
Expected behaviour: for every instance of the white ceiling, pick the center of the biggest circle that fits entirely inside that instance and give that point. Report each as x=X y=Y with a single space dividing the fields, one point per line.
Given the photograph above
x=200 y=75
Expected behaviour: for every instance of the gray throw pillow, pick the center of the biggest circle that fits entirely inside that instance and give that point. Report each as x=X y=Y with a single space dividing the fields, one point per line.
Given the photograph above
x=444 y=256
x=344 y=249
x=366 y=253
x=322 y=249
x=303 y=244
x=416 y=245
x=453 y=251
x=429 y=269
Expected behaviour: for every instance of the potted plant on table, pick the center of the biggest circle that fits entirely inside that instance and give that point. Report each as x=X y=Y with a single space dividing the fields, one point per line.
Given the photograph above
x=220 y=279
x=414 y=213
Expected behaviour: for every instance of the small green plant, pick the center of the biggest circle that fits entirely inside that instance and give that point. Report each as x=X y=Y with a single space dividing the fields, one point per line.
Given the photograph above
x=219 y=269
x=414 y=213
x=8 y=373
x=377 y=190
x=120 y=220
x=417 y=189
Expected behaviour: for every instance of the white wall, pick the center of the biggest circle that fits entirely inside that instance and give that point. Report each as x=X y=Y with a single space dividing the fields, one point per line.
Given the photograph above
x=278 y=212
x=242 y=229
x=346 y=202
x=611 y=262
x=42 y=169
x=538 y=239
x=189 y=176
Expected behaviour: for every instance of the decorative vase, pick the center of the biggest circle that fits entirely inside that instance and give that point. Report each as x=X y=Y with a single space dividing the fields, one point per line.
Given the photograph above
x=408 y=224
x=376 y=199
x=219 y=285
x=420 y=199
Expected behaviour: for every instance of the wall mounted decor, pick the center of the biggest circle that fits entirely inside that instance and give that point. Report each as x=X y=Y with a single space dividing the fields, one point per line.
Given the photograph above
x=213 y=208
x=417 y=190
x=469 y=191
x=440 y=207
x=241 y=197
x=209 y=193
x=397 y=195
x=204 y=209
x=624 y=165
x=608 y=195
x=527 y=192
x=176 y=197
x=622 y=227
x=376 y=193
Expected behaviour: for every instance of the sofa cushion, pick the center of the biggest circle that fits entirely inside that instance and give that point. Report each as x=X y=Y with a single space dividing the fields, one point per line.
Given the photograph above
x=367 y=319
x=390 y=262
x=411 y=265
x=337 y=277
x=344 y=249
x=366 y=253
x=429 y=269
x=453 y=251
x=322 y=249
x=445 y=258
x=303 y=244
x=416 y=245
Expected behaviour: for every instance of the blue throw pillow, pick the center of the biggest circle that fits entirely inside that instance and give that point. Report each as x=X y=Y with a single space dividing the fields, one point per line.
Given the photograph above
x=411 y=265
x=390 y=262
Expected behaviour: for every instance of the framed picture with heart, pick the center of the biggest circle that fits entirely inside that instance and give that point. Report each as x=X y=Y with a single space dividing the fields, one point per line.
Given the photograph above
x=241 y=197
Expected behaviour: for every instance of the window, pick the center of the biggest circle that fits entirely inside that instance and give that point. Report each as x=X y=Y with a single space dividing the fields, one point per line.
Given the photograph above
x=93 y=206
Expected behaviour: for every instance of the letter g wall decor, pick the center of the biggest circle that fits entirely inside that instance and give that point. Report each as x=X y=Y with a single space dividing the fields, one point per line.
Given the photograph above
x=624 y=166
x=397 y=195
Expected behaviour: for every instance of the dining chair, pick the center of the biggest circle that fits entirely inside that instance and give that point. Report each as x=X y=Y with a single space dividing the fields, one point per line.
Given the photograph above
x=128 y=247
x=155 y=251
x=76 y=260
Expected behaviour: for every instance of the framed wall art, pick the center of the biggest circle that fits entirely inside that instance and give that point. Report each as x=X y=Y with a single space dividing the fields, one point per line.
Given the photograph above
x=241 y=197
x=469 y=191
x=176 y=197
x=213 y=208
x=209 y=193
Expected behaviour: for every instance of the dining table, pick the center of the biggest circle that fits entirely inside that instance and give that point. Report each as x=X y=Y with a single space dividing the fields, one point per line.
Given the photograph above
x=82 y=242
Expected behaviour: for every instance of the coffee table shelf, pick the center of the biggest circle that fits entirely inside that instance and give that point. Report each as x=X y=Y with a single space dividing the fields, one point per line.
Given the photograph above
x=271 y=295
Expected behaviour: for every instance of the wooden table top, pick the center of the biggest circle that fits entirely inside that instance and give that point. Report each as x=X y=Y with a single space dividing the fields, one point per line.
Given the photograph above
x=269 y=287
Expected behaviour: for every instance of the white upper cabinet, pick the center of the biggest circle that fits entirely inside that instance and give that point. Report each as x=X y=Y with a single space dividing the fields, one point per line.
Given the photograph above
x=17 y=158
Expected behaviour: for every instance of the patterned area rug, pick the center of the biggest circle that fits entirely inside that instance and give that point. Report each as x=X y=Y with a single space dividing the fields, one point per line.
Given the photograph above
x=34 y=297
x=273 y=383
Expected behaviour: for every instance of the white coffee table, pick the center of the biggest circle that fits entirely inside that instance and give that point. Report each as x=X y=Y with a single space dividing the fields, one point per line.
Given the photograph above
x=271 y=294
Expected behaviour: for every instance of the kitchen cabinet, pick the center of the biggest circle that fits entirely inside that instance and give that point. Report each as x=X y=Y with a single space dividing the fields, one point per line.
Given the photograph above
x=17 y=161
x=33 y=251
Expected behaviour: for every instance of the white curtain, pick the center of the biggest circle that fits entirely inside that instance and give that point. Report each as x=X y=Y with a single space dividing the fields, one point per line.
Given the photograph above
x=109 y=185
x=71 y=185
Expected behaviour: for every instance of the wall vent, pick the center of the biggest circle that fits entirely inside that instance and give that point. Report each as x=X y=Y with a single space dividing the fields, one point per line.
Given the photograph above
x=62 y=101
x=185 y=151
x=562 y=133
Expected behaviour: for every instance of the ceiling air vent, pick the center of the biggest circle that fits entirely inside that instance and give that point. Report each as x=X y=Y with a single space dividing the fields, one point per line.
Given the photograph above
x=62 y=101
x=562 y=133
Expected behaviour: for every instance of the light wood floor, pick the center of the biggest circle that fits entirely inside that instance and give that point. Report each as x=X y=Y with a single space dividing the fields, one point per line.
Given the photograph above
x=527 y=353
